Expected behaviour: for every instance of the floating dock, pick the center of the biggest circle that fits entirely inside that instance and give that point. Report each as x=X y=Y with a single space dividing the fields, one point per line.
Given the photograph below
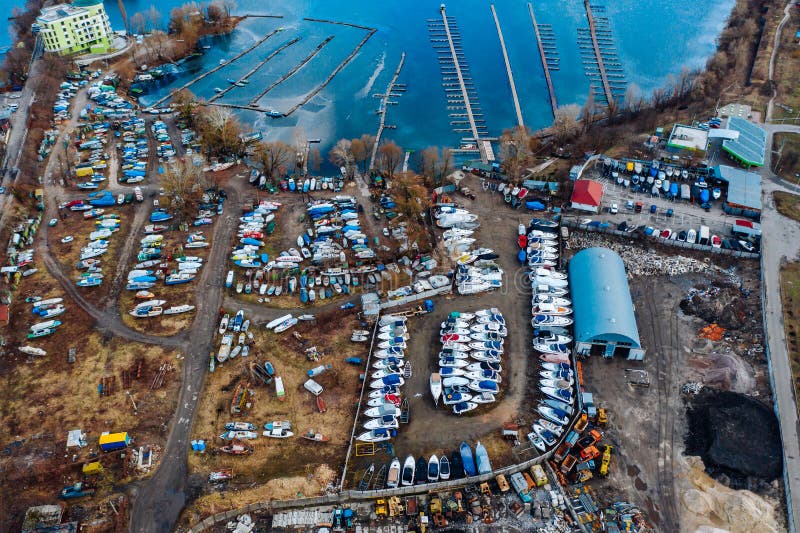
x=455 y=64
x=518 y=110
x=336 y=71
x=545 y=65
x=383 y=110
x=218 y=67
x=600 y=56
x=254 y=69
x=292 y=72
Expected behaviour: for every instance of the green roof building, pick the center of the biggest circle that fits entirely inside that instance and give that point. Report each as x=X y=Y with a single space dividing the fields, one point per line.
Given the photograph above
x=77 y=28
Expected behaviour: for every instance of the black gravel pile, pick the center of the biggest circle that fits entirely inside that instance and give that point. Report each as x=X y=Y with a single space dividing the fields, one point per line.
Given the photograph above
x=735 y=436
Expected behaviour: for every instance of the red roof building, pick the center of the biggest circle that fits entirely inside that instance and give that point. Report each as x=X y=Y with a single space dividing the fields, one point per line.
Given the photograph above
x=586 y=195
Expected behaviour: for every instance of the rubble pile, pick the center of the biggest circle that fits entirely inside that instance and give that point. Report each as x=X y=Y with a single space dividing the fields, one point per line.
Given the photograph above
x=640 y=262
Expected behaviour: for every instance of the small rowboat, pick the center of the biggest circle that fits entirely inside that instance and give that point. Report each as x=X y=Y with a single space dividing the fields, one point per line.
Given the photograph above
x=315 y=437
x=321 y=407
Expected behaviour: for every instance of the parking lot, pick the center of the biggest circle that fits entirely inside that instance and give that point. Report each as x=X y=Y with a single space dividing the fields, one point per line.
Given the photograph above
x=685 y=214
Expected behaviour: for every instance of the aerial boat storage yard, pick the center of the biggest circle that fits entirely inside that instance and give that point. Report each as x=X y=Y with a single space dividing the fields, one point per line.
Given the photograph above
x=220 y=332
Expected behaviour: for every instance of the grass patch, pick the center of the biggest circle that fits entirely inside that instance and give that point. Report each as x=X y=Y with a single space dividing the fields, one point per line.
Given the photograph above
x=787 y=165
x=788 y=204
x=790 y=297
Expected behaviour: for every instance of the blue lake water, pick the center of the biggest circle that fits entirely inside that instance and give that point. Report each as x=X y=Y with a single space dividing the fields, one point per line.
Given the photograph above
x=654 y=39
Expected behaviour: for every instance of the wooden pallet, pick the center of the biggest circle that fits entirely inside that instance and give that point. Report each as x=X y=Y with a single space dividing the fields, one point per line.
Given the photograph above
x=365 y=449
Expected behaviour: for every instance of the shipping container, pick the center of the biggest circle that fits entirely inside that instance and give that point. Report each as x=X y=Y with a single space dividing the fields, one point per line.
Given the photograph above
x=114 y=441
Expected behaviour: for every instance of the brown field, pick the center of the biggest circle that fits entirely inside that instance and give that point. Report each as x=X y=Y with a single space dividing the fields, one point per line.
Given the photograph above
x=289 y=466
x=790 y=295
x=44 y=397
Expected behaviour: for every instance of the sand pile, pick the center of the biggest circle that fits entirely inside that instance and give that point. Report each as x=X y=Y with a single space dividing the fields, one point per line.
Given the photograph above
x=710 y=507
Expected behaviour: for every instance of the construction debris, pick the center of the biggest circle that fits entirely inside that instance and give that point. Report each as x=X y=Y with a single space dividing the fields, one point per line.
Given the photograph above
x=639 y=262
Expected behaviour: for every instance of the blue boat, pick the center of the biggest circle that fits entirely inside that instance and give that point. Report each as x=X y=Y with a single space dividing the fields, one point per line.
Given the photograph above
x=303 y=295
x=143 y=279
x=159 y=216
x=535 y=206
x=292 y=186
x=522 y=256
x=484 y=466
x=265 y=258
x=306 y=185
x=252 y=242
x=269 y=368
x=103 y=201
x=328 y=292
x=673 y=189
x=303 y=281
x=467 y=459
x=306 y=239
x=704 y=196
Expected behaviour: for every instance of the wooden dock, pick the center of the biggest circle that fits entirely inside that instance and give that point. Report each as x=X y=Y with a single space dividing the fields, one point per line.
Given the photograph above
x=383 y=108
x=218 y=67
x=545 y=66
x=517 y=108
x=301 y=64
x=598 y=55
x=254 y=69
x=464 y=91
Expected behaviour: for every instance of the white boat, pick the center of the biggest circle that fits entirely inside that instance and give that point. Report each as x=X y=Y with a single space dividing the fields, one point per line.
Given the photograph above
x=382 y=410
x=393 y=477
x=280 y=328
x=278 y=321
x=435 y=383
x=409 y=468
x=386 y=422
x=178 y=309
x=464 y=407
x=280 y=429
x=375 y=435
x=484 y=397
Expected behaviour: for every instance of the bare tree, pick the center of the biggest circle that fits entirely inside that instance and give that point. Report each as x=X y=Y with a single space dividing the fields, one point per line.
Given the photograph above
x=221 y=132
x=184 y=184
x=274 y=157
x=565 y=124
x=341 y=155
x=633 y=99
x=390 y=156
x=360 y=153
x=515 y=150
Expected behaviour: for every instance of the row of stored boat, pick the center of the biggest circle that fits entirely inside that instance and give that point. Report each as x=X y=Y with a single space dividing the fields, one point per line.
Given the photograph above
x=462 y=463
x=470 y=360
x=235 y=334
x=49 y=308
x=105 y=225
x=551 y=310
x=477 y=270
x=384 y=403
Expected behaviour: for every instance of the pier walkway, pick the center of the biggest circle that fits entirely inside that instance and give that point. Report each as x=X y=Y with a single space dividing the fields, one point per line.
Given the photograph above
x=218 y=67
x=301 y=64
x=545 y=66
x=598 y=55
x=508 y=68
x=384 y=110
x=254 y=69
x=464 y=91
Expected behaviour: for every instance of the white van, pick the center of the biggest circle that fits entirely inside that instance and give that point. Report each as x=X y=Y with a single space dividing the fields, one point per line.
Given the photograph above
x=313 y=387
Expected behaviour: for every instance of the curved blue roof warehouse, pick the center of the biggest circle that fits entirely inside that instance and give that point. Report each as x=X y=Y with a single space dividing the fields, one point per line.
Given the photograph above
x=602 y=304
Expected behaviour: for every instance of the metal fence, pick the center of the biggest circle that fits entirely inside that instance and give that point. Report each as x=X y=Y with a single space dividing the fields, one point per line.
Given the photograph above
x=574 y=224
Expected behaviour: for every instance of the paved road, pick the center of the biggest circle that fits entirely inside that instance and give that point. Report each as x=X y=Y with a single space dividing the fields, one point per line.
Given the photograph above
x=780 y=243
x=16 y=140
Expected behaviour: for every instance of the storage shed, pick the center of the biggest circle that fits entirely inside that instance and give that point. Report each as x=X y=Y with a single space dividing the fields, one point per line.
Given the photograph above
x=605 y=322
x=587 y=195
x=744 y=191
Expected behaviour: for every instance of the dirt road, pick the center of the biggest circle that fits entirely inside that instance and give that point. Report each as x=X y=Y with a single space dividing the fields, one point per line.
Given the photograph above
x=158 y=500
